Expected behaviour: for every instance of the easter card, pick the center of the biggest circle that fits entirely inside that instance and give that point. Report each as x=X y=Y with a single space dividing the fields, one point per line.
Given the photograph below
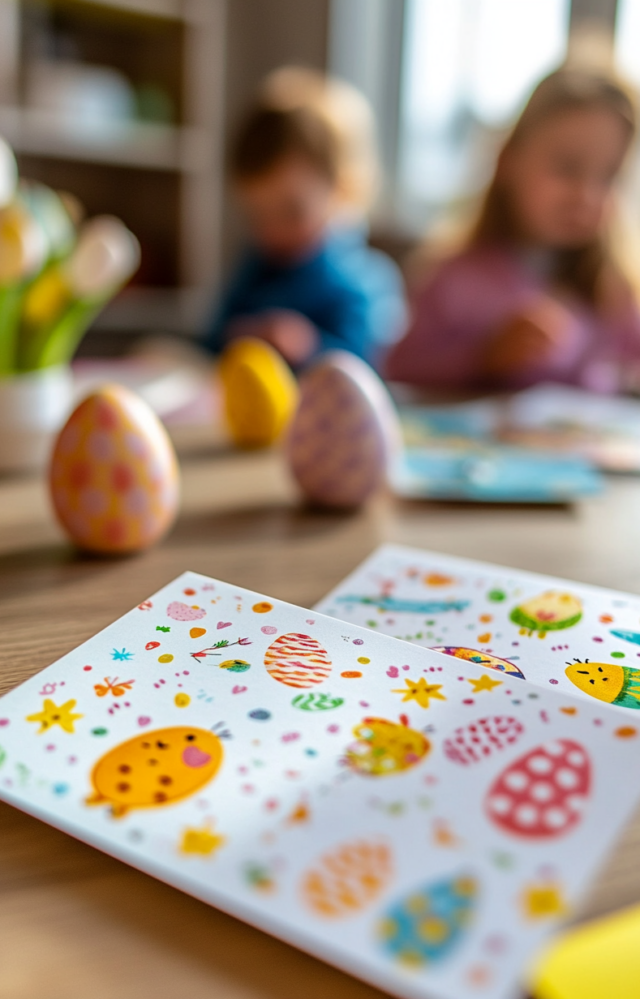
x=417 y=820
x=581 y=639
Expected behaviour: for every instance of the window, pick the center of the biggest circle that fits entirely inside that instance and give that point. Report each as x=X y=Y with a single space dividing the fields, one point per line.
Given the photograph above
x=627 y=39
x=468 y=66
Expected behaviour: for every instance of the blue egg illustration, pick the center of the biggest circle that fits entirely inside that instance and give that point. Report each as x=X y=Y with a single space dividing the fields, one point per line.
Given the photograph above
x=427 y=925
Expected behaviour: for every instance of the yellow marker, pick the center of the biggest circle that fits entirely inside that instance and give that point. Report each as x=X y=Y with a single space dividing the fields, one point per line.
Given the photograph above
x=260 y=393
x=600 y=960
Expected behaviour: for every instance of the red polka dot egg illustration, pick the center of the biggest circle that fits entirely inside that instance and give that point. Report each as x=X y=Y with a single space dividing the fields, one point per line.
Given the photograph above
x=544 y=793
x=113 y=475
x=297 y=660
x=472 y=743
x=345 y=432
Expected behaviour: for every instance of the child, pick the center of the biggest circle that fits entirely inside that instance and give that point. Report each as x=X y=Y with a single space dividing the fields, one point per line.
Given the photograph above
x=536 y=294
x=304 y=171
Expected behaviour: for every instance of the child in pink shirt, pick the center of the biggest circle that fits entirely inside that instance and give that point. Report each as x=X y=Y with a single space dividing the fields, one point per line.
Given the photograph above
x=536 y=294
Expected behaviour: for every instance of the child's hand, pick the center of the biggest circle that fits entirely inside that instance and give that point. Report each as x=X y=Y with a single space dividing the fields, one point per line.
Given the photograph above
x=529 y=338
x=289 y=332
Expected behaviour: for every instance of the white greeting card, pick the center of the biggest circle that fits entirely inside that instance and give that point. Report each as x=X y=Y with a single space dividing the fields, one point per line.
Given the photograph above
x=582 y=639
x=419 y=822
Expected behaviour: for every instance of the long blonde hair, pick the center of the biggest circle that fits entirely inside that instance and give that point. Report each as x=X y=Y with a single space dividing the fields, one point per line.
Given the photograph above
x=581 y=269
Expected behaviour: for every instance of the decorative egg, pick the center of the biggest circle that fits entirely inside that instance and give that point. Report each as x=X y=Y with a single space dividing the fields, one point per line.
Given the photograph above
x=475 y=742
x=347 y=880
x=179 y=611
x=550 y=611
x=542 y=794
x=480 y=659
x=297 y=660
x=426 y=926
x=113 y=477
x=384 y=748
x=607 y=682
x=259 y=392
x=345 y=432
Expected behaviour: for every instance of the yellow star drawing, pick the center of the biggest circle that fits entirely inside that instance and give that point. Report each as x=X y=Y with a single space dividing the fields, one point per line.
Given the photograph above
x=484 y=682
x=543 y=901
x=51 y=715
x=421 y=691
x=203 y=841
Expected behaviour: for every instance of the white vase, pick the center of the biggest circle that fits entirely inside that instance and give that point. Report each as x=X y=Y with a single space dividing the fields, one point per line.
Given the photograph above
x=33 y=407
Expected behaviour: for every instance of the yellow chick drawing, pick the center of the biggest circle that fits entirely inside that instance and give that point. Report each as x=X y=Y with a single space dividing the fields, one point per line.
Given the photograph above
x=156 y=768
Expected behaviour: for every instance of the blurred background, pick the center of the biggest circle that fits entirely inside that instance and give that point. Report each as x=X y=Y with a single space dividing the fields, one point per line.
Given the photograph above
x=128 y=104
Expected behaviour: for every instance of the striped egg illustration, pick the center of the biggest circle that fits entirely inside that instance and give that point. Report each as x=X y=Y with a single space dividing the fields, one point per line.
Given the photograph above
x=542 y=794
x=297 y=660
x=550 y=611
x=348 y=879
x=345 y=433
x=607 y=682
x=480 y=659
x=472 y=743
x=384 y=747
x=426 y=926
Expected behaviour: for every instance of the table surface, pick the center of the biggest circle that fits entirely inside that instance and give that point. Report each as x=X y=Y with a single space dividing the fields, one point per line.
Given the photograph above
x=75 y=923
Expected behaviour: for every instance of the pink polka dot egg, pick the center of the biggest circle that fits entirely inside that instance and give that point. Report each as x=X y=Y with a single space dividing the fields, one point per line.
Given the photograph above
x=113 y=476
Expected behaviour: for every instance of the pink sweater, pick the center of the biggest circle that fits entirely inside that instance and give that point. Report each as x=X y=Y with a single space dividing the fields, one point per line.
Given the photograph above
x=465 y=301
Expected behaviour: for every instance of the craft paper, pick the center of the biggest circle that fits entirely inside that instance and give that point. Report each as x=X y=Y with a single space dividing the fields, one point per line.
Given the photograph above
x=421 y=822
x=581 y=639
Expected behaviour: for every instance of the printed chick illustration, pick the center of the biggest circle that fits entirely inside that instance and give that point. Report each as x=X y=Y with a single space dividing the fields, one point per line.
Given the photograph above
x=156 y=768
x=385 y=747
x=607 y=682
x=551 y=611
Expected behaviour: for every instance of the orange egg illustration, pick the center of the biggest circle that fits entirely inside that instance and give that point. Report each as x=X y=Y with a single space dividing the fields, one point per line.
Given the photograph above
x=349 y=879
x=156 y=768
x=114 y=476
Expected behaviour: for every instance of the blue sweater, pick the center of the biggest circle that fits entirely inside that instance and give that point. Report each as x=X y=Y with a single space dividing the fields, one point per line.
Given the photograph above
x=352 y=294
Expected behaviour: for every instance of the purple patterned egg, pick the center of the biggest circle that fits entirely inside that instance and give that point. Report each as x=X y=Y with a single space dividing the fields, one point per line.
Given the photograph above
x=345 y=432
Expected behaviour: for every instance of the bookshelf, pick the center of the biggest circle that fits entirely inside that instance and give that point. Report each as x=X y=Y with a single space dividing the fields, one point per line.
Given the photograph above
x=159 y=166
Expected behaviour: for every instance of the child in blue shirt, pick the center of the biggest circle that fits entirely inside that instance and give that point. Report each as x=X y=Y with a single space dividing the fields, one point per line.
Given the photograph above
x=303 y=169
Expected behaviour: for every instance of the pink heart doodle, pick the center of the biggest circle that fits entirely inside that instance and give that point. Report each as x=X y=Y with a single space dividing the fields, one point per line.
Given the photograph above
x=238 y=690
x=406 y=667
x=144 y=720
x=310 y=620
x=4 y=721
x=223 y=624
x=392 y=672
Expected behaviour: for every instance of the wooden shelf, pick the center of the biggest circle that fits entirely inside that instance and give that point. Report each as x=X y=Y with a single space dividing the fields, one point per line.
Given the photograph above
x=132 y=144
x=172 y=9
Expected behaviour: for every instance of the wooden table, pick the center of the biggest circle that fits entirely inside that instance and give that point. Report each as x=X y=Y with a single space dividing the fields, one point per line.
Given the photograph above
x=75 y=924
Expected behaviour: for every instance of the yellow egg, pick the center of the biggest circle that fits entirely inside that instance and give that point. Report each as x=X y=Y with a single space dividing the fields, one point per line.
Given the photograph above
x=155 y=769
x=114 y=478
